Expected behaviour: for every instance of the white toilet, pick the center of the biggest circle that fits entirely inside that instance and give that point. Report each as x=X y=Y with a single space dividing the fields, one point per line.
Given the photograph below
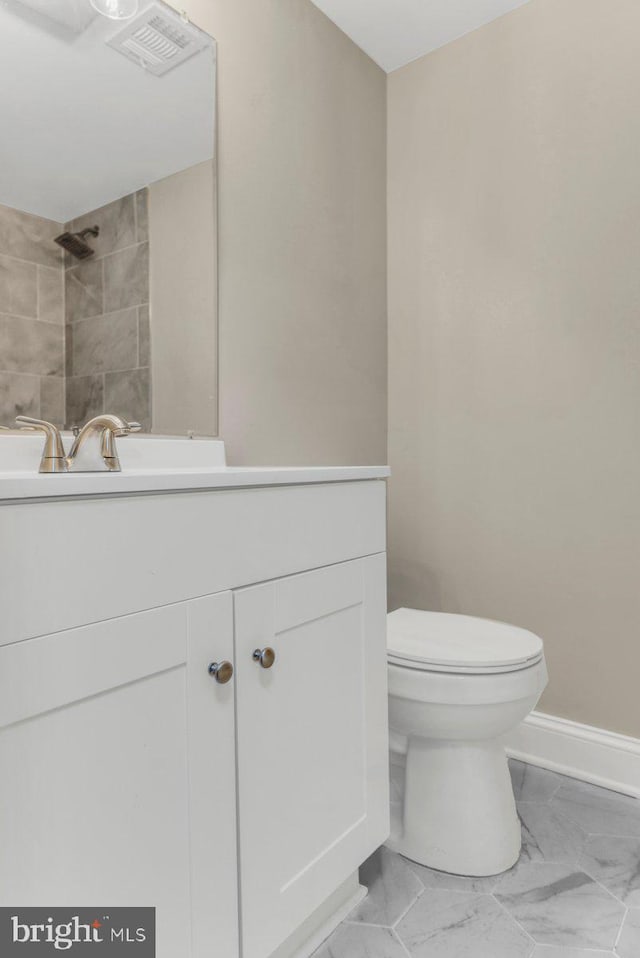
x=456 y=685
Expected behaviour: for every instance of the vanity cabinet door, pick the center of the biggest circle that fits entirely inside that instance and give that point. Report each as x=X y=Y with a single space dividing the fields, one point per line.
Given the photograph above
x=312 y=741
x=117 y=773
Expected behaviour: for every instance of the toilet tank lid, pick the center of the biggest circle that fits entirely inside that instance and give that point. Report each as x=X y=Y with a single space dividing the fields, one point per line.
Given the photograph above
x=446 y=640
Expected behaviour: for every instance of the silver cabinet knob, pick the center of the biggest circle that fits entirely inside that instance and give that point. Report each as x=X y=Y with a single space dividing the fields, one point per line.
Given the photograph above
x=266 y=657
x=221 y=671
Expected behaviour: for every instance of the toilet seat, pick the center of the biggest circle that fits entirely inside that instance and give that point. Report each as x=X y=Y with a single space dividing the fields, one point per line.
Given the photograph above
x=458 y=644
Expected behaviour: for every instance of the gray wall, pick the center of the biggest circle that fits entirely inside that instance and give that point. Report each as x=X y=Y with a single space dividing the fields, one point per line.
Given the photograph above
x=31 y=318
x=182 y=248
x=514 y=244
x=302 y=259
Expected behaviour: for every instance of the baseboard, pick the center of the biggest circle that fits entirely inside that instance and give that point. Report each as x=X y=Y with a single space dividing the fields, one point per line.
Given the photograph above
x=579 y=751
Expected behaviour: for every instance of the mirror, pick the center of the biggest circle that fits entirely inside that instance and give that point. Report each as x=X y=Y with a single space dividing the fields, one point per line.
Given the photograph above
x=107 y=215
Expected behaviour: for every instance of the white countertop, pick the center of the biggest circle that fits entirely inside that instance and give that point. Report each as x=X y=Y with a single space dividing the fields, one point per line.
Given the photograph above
x=155 y=464
x=17 y=485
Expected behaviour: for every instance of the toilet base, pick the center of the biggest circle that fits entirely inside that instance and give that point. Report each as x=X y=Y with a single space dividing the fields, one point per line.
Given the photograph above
x=459 y=811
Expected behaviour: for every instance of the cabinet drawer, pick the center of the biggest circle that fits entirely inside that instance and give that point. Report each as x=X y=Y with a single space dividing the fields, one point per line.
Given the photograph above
x=125 y=555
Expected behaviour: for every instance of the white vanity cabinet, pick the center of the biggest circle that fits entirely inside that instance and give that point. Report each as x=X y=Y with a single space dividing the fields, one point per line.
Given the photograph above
x=128 y=774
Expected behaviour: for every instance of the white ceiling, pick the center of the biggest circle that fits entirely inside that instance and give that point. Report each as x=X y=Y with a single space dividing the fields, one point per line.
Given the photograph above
x=394 y=32
x=82 y=125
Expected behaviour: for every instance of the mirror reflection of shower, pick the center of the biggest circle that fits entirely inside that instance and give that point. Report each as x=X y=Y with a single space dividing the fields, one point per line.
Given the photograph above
x=75 y=243
x=110 y=302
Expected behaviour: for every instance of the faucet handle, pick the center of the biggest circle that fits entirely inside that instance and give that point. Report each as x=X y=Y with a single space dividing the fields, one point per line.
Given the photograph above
x=108 y=443
x=53 y=455
x=51 y=431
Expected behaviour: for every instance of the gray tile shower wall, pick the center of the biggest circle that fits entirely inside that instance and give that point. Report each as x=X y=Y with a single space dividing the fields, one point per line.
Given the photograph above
x=107 y=316
x=31 y=318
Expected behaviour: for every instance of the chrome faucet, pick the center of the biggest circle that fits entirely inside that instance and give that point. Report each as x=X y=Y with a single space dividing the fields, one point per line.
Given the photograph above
x=84 y=456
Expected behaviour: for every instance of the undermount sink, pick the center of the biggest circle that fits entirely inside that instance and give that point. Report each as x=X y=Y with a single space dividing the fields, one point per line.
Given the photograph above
x=20 y=452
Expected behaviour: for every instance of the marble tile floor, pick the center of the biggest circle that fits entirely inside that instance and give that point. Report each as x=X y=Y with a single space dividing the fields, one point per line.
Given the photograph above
x=574 y=893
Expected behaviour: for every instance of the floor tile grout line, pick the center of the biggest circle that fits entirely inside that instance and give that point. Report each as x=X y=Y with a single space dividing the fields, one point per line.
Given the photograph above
x=617 y=798
x=410 y=865
x=596 y=951
x=604 y=888
x=407 y=910
x=609 y=835
x=555 y=792
x=515 y=921
x=581 y=868
x=460 y=891
x=622 y=924
x=524 y=801
x=400 y=941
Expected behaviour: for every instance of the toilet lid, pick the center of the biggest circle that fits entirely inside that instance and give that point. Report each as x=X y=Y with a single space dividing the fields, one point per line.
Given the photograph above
x=440 y=641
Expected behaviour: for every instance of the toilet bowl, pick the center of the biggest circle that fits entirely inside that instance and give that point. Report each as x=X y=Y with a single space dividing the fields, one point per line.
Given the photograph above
x=457 y=684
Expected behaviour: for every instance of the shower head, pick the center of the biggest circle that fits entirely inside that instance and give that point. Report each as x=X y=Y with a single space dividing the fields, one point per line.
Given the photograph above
x=75 y=244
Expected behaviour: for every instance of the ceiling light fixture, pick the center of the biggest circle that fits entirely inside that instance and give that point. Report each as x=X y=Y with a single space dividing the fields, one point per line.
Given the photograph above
x=116 y=9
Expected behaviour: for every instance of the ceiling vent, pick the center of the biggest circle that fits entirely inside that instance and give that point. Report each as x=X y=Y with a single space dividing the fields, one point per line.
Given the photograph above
x=159 y=41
